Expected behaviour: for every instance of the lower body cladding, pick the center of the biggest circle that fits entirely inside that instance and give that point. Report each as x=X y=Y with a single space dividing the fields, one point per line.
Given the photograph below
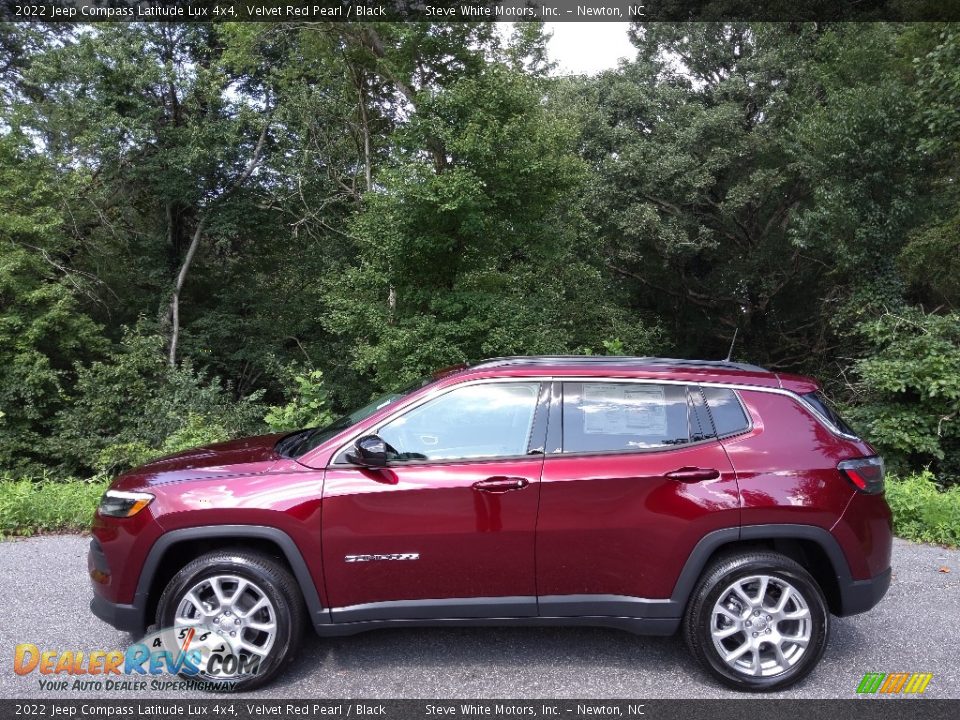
x=636 y=615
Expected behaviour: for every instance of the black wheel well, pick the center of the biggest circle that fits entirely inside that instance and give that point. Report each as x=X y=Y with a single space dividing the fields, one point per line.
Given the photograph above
x=807 y=553
x=182 y=552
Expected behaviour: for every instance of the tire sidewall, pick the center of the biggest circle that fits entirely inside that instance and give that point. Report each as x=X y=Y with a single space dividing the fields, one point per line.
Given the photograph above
x=261 y=574
x=820 y=620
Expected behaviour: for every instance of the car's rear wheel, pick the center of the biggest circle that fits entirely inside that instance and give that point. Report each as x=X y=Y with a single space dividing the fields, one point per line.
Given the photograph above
x=757 y=621
x=242 y=610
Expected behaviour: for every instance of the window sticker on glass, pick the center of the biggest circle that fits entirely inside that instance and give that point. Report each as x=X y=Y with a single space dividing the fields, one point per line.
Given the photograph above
x=622 y=409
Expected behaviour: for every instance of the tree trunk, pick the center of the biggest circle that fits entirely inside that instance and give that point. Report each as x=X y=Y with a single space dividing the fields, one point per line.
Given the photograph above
x=435 y=145
x=173 y=312
x=365 y=126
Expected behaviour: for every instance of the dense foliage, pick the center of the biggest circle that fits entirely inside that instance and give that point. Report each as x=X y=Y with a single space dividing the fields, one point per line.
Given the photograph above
x=48 y=505
x=209 y=230
x=922 y=512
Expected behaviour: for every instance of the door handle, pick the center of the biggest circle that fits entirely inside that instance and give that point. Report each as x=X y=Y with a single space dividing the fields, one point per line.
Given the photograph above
x=500 y=484
x=693 y=474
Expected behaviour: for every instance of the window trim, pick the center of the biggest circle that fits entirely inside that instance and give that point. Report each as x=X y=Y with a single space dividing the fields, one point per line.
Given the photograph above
x=694 y=395
x=833 y=426
x=336 y=457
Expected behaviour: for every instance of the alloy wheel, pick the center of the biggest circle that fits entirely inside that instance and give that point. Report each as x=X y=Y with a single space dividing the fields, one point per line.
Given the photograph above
x=761 y=626
x=232 y=608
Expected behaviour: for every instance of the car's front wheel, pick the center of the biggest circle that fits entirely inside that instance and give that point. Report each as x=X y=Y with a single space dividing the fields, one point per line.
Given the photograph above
x=757 y=621
x=240 y=611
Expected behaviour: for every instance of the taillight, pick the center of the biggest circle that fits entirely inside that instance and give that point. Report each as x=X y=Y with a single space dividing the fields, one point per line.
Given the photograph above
x=866 y=474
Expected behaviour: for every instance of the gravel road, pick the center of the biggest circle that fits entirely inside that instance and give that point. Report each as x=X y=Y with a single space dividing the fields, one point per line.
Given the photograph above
x=45 y=595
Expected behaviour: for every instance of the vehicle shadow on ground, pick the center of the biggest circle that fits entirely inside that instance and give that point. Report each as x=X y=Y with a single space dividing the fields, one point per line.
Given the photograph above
x=521 y=662
x=434 y=662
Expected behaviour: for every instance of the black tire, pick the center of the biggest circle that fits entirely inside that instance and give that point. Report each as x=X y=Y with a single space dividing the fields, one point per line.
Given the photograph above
x=272 y=579
x=716 y=579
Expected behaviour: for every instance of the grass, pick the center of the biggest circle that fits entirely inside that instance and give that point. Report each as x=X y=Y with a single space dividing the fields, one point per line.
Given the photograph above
x=921 y=511
x=29 y=506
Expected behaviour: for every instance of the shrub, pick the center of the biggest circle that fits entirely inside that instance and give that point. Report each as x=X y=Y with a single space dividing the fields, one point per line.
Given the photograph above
x=921 y=511
x=307 y=406
x=134 y=406
x=28 y=506
x=908 y=391
x=197 y=431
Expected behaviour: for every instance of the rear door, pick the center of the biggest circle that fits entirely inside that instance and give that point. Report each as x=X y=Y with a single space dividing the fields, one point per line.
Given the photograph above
x=630 y=484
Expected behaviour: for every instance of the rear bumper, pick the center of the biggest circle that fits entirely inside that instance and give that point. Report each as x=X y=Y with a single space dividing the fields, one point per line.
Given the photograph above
x=857 y=596
x=853 y=595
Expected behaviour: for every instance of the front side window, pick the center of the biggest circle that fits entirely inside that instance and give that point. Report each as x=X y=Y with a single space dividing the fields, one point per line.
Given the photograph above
x=618 y=416
x=475 y=421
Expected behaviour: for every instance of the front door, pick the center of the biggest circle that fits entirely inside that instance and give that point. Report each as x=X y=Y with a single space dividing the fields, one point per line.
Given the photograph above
x=446 y=530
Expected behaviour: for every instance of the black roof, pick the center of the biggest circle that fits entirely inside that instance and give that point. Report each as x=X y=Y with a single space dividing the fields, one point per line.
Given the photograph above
x=619 y=360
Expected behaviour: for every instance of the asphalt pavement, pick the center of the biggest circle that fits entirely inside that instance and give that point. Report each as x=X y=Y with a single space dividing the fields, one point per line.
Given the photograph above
x=916 y=628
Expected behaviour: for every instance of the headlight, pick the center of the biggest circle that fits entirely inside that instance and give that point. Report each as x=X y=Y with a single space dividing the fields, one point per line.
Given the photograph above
x=117 y=503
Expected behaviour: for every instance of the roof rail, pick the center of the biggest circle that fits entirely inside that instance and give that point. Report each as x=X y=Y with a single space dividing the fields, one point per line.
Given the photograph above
x=535 y=360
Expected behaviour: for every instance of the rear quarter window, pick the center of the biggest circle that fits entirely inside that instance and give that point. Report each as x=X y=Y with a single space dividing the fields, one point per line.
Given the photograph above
x=823 y=406
x=726 y=411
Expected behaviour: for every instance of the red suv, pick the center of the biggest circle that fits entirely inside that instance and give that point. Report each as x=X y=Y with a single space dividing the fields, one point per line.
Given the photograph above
x=652 y=495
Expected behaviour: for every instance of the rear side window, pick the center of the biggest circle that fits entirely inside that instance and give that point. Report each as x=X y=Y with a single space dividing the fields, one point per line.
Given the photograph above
x=616 y=417
x=820 y=404
x=726 y=411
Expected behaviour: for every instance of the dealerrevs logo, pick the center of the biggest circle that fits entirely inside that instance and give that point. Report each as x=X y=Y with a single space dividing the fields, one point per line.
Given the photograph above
x=201 y=656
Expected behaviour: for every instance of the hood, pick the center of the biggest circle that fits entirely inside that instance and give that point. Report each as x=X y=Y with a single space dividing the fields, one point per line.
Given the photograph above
x=235 y=457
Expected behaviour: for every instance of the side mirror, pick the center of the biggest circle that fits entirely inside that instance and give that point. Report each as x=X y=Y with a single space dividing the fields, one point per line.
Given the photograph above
x=370 y=451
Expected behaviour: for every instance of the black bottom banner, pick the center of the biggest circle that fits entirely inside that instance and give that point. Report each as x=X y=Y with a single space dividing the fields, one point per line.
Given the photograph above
x=242 y=709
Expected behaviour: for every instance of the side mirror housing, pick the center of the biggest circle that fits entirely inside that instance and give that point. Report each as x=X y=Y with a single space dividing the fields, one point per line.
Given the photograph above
x=370 y=451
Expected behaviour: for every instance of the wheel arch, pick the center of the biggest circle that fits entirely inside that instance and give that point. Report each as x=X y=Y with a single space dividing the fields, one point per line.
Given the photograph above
x=176 y=548
x=812 y=546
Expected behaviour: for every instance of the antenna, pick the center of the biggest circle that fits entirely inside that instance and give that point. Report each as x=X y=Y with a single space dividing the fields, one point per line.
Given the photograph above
x=730 y=353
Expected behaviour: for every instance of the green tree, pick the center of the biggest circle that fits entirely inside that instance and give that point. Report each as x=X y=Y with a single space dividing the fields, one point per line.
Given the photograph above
x=931 y=260
x=758 y=177
x=43 y=329
x=478 y=249
x=133 y=405
x=908 y=390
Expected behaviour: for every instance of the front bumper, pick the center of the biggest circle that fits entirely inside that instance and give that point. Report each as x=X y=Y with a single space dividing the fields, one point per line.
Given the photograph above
x=127 y=618
x=857 y=596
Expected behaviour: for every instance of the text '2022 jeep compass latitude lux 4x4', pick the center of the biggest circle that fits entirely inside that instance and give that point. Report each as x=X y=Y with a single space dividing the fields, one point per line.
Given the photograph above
x=638 y=493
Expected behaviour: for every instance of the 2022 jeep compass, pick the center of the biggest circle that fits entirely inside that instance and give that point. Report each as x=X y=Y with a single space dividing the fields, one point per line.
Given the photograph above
x=652 y=495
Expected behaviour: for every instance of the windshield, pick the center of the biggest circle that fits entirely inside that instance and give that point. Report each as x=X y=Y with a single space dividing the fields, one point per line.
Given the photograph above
x=303 y=441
